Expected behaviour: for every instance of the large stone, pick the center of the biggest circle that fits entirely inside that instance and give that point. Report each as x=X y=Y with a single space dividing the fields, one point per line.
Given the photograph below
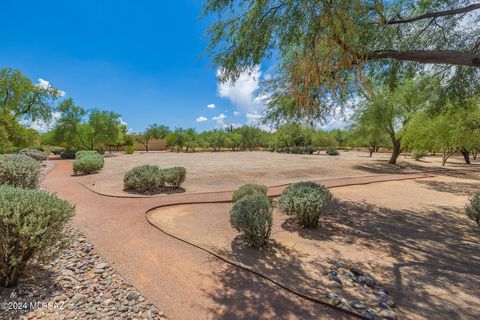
x=388 y=314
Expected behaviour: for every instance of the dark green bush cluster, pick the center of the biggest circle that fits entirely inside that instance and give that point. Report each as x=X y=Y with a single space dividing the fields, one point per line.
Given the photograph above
x=87 y=162
x=252 y=216
x=473 y=208
x=31 y=224
x=332 y=151
x=68 y=154
x=296 y=149
x=34 y=154
x=129 y=149
x=305 y=200
x=19 y=170
x=149 y=178
x=249 y=190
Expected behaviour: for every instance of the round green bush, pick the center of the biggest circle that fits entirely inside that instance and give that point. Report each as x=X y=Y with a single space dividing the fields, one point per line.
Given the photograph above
x=473 y=208
x=34 y=154
x=84 y=154
x=175 y=176
x=252 y=216
x=19 y=170
x=56 y=150
x=332 y=151
x=144 y=179
x=32 y=229
x=87 y=165
x=305 y=200
x=68 y=154
x=418 y=154
x=249 y=190
x=129 y=149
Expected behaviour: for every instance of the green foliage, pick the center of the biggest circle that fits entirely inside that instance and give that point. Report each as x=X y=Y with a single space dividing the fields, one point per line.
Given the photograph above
x=68 y=154
x=19 y=171
x=87 y=162
x=34 y=154
x=174 y=176
x=323 y=140
x=332 y=151
x=305 y=200
x=176 y=139
x=13 y=135
x=249 y=190
x=473 y=208
x=251 y=137
x=144 y=179
x=292 y=135
x=215 y=139
x=419 y=154
x=129 y=149
x=56 y=150
x=154 y=131
x=252 y=215
x=32 y=224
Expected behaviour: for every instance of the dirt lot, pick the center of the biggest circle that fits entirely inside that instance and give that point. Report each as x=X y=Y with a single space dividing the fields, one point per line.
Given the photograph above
x=220 y=171
x=412 y=235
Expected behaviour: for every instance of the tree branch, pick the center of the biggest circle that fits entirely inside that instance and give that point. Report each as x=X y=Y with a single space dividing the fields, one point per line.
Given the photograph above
x=428 y=56
x=429 y=15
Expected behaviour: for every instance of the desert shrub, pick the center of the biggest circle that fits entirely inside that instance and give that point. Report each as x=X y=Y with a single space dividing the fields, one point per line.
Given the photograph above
x=175 y=176
x=143 y=179
x=32 y=224
x=85 y=154
x=249 y=190
x=56 y=150
x=252 y=215
x=129 y=149
x=305 y=200
x=87 y=165
x=19 y=170
x=473 y=208
x=296 y=150
x=310 y=149
x=68 y=154
x=418 y=154
x=332 y=151
x=34 y=154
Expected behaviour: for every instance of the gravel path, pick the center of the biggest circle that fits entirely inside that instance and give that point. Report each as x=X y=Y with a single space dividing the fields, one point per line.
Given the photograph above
x=79 y=284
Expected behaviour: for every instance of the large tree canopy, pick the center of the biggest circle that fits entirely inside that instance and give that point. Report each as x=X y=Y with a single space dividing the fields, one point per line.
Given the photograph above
x=327 y=47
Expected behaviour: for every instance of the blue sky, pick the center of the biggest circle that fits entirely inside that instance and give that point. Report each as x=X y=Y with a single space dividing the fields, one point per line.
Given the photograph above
x=143 y=59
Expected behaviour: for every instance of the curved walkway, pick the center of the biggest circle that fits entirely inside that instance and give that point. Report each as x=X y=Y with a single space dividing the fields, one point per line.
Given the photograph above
x=181 y=280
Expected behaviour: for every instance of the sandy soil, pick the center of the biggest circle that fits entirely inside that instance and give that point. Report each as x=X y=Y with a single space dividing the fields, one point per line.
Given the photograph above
x=220 y=171
x=412 y=235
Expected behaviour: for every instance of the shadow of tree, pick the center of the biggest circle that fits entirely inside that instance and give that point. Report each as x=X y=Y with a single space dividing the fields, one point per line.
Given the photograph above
x=244 y=296
x=461 y=188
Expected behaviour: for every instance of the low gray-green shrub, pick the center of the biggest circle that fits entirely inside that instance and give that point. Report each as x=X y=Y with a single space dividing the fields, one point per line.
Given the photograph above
x=87 y=162
x=473 y=208
x=419 y=154
x=56 y=150
x=332 y=151
x=175 y=176
x=252 y=216
x=249 y=190
x=144 y=179
x=31 y=224
x=34 y=154
x=68 y=154
x=19 y=170
x=305 y=200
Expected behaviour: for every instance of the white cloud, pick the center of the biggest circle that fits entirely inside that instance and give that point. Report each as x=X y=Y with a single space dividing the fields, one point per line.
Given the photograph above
x=236 y=113
x=253 y=118
x=340 y=120
x=41 y=125
x=201 y=119
x=244 y=92
x=44 y=84
x=220 y=120
x=211 y=106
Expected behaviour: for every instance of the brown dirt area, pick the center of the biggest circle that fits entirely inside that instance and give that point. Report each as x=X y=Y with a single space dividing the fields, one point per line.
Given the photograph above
x=412 y=235
x=221 y=171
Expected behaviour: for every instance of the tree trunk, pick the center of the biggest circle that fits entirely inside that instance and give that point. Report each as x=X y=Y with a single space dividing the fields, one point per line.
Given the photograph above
x=395 y=152
x=466 y=155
